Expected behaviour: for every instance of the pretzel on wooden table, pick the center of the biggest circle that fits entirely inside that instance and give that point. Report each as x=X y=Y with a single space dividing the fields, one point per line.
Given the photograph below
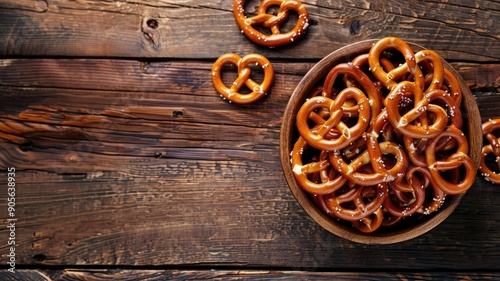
x=232 y=93
x=271 y=22
x=457 y=159
x=493 y=148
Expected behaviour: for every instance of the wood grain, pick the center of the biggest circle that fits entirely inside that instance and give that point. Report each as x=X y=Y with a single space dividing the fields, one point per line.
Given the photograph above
x=457 y=30
x=150 y=275
x=110 y=173
x=131 y=167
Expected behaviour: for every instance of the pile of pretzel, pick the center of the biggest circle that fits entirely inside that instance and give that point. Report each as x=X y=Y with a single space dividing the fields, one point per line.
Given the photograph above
x=381 y=139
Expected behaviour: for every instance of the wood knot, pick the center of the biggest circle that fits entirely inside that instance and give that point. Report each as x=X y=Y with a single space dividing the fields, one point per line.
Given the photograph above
x=177 y=114
x=39 y=258
x=354 y=27
x=41 y=6
x=150 y=30
x=152 y=23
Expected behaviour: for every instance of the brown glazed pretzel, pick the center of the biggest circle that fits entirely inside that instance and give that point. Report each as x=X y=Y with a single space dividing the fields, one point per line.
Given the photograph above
x=244 y=72
x=359 y=209
x=371 y=222
x=449 y=83
x=355 y=73
x=416 y=147
x=317 y=138
x=272 y=22
x=454 y=161
x=361 y=61
x=351 y=170
x=436 y=75
x=404 y=183
x=420 y=109
x=492 y=148
x=302 y=171
x=388 y=79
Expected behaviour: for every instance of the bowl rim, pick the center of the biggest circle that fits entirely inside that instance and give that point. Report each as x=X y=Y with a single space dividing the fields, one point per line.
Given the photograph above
x=472 y=121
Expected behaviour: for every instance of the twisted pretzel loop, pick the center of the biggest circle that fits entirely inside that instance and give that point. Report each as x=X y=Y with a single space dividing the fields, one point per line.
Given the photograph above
x=272 y=22
x=454 y=161
x=334 y=107
x=493 y=148
x=419 y=111
x=388 y=79
x=244 y=72
x=303 y=171
x=360 y=208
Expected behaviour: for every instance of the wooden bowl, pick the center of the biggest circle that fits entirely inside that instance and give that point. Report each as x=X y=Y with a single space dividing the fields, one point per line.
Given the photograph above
x=288 y=136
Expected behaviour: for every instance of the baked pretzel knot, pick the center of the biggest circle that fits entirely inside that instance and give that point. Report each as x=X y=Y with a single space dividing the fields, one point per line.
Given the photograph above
x=493 y=148
x=275 y=36
x=380 y=140
x=232 y=93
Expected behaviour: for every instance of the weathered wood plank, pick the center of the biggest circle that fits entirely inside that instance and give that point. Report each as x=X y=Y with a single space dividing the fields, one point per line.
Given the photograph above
x=167 y=110
x=168 y=76
x=458 y=30
x=169 y=217
x=151 y=275
x=109 y=175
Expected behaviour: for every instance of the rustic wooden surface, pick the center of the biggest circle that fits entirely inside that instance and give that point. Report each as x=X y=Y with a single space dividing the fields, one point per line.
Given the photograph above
x=130 y=166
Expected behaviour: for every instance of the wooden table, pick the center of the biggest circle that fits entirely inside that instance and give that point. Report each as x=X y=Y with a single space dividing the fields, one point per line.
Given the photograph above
x=129 y=166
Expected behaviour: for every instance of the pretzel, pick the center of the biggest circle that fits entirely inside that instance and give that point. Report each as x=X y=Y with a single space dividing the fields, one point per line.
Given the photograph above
x=360 y=209
x=416 y=147
x=389 y=219
x=375 y=151
x=446 y=101
x=404 y=183
x=350 y=171
x=361 y=61
x=438 y=196
x=435 y=72
x=451 y=85
x=348 y=134
x=493 y=148
x=420 y=109
x=449 y=81
x=272 y=22
x=329 y=182
x=454 y=161
x=371 y=222
x=388 y=79
x=244 y=72
x=362 y=80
